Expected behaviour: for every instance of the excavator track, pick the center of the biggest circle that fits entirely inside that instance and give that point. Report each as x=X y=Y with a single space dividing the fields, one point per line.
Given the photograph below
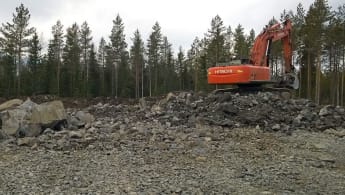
x=252 y=89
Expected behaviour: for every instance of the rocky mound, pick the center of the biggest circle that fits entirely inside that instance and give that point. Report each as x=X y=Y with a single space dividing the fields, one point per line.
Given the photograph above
x=269 y=111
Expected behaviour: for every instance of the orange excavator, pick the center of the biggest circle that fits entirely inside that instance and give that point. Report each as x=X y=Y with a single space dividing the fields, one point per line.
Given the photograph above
x=256 y=71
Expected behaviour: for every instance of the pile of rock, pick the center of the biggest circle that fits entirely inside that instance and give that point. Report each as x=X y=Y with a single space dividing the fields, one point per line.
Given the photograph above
x=271 y=111
x=27 y=119
x=186 y=111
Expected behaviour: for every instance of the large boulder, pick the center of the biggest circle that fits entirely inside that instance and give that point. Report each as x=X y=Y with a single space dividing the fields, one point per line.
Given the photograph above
x=49 y=115
x=10 y=104
x=29 y=119
x=12 y=120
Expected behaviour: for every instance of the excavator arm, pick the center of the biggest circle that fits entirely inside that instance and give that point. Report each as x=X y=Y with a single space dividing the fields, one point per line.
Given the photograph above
x=260 y=52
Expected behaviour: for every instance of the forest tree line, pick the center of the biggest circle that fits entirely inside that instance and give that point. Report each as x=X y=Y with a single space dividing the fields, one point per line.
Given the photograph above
x=73 y=66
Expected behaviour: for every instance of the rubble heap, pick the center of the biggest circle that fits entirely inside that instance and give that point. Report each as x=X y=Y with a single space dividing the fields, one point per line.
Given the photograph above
x=269 y=111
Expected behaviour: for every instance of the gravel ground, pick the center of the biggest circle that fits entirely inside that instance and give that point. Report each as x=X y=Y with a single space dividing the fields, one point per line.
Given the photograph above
x=242 y=161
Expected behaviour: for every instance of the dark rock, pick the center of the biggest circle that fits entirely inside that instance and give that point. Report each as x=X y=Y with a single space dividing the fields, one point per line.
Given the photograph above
x=326 y=110
x=286 y=95
x=228 y=108
x=226 y=97
x=276 y=127
x=29 y=130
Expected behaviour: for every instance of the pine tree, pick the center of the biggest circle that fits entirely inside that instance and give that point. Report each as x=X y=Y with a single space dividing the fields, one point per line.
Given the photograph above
x=16 y=36
x=167 y=68
x=55 y=50
x=240 y=47
x=228 y=45
x=35 y=63
x=216 y=42
x=192 y=62
x=318 y=14
x=71 y=77
x=250 y=41
x=118 y=48
x=137 y=53
x=85 y=46
x=153 y=53
x=94 y=76
x=181 y=69
x=298 y=22
x=101 y=58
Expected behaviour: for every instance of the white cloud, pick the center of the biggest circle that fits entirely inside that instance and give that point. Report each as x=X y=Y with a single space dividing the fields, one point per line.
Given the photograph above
x=181 y=20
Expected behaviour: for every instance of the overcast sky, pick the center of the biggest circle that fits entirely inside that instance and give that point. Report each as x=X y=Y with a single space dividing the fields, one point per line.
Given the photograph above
x=181 y=20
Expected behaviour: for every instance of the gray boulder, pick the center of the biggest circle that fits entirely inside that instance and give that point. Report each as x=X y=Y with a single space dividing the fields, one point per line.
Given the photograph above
x=48 y=113
x=85 y=117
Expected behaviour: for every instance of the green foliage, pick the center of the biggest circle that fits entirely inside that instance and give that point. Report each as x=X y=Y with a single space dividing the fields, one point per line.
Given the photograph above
x=241 y=47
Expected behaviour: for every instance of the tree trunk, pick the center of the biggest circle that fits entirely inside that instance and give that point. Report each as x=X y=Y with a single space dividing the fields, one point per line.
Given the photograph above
x=342 y=78
x=318 y=74
x=309 y=77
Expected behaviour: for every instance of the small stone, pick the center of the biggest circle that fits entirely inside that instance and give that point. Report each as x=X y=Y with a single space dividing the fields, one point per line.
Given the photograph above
x=286 y=95
x=276 y=127
x=325 y=110
x=327 y=158
x=266 y=193
x=75 y=134
x=85 y=117
x=200 y=158
x=27 y=141
x=208 y=139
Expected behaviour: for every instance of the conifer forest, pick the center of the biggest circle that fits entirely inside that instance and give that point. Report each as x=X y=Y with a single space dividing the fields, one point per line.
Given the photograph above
x=74 y=65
